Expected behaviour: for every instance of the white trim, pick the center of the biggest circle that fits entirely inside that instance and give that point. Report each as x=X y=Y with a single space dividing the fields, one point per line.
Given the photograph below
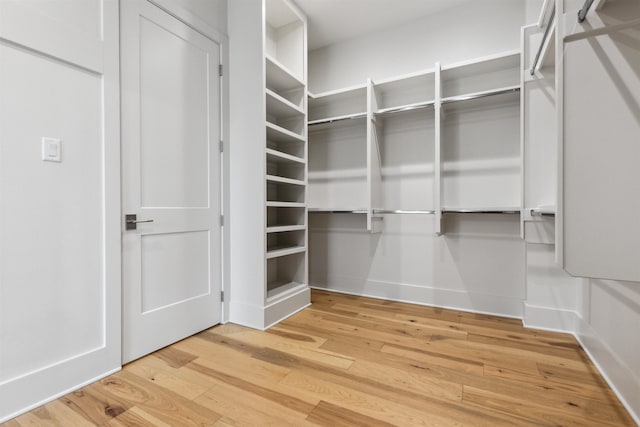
x=434 y=297
x=58 y=395
x=624 y=382
x=549 y=319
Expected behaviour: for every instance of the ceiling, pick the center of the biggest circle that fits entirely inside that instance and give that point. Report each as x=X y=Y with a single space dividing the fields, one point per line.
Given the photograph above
x=332 y=21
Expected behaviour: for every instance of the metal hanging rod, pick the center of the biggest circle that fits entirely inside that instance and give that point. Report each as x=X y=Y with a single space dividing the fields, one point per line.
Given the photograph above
x=582 y=13
x=402 y=211
x=337 y=119
x=540 y=212
x=403 y=109
x=544 y=38
x=469 y=97
x=482 y=211
x=337 y=211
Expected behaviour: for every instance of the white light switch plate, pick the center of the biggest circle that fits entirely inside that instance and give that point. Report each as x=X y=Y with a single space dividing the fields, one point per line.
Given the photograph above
x=51 y=149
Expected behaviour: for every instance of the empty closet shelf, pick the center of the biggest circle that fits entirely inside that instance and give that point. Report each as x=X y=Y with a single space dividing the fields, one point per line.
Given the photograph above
x=279 y=204
x=483 y=94
x=280 y=288
x=542 y=211
x=278 y=133
x=334 y=211
x=335 y=119
x=482 y=210
x=279 y=78
x=283 y=180
x=284 y=251
x=283 y=228
x=403 y=212
x=404 y=108
x=278 y=156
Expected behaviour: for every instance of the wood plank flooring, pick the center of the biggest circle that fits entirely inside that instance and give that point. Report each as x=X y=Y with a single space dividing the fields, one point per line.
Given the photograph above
x=352 y=361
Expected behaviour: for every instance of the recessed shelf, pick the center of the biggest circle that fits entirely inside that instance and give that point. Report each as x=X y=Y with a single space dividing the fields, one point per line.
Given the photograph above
x=283 y=180
x=281 y=288
x=278 y=133
x=284 y=228
x=278 y=204
x=284 y=251
x=278 y=157
x=279 y=78
x=281 y=107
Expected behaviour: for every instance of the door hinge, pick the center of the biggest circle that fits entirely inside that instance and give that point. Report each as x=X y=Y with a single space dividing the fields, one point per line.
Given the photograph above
x=221 y=146
x=222 y=296
x=220 y=70
x=221 y=220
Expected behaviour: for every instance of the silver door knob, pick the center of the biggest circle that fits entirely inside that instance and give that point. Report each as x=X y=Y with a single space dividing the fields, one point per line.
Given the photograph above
x=131 y=221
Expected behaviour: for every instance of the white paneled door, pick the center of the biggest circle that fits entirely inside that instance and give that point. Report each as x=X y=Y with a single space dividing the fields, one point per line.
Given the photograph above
x=171 y=179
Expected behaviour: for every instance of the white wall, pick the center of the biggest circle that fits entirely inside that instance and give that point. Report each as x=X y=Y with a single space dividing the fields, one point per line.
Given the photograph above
x=473 y=30
x=212 y=12
x=59 y=222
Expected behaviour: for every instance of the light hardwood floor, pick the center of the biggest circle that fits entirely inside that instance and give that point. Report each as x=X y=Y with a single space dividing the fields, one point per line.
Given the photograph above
x=352 y=361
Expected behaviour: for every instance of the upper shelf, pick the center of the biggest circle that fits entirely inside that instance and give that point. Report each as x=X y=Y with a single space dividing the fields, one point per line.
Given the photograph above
x=340 y=103
x=279 y=77
x=409 y=89
x=481 y=75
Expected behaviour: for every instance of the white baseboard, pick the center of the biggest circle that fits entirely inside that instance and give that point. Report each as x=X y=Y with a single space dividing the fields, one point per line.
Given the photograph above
x=263 y=317
x=58 y=395
x=549 y=319
x=434 y=297
x=624 y=382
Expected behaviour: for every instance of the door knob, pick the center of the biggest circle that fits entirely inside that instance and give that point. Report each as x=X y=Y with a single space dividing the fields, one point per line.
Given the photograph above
x=131 y=221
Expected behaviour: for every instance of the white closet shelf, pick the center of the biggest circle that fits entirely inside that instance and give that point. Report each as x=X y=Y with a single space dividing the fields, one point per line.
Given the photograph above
x=403 y=108
x=501 y=61
x=284 y=251
x=278 y=133
x=279 y=78
x=330 y=120
x=337 y=210
x=280 y=288
x=278 y=204
x=482 y=210
x=477 y=95
x=280 y=157
x=283 y=228
x=283 y=180
x=403 y=212
x=281 y=107
x=332 y=95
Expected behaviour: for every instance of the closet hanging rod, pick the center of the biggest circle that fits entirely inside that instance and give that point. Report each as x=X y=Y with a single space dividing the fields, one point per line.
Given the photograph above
x=582 y=13
x=538 y=212
x=482 y=211
x=403 y=109
x=544 y=39
x=481 y=95
x=337 y=211
x=337 y=119
x=403 y=211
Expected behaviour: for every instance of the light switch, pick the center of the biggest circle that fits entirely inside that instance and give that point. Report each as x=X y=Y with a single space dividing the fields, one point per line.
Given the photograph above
x=51 y=149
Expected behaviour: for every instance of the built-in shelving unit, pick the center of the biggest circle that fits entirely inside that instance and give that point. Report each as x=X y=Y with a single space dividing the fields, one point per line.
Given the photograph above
x=286 y=152
x=337 y=151
x=445 y=140
x=481 y=159
x=277 y=285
